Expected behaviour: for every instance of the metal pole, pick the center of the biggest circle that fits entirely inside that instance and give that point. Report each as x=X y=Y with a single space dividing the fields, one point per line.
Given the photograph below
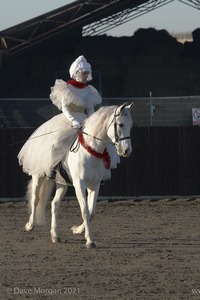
x=150 y=107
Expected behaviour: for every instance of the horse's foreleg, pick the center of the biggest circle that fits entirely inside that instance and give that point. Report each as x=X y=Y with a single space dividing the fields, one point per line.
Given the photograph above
x=92 y=199
x=81 y=196
x=33 y=198
x=55 y=205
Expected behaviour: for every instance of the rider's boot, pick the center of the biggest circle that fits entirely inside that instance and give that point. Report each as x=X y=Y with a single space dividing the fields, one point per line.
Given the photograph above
x=52 y=175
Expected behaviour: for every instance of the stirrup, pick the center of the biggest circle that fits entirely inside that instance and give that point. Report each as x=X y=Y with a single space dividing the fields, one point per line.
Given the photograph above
x=52 y=175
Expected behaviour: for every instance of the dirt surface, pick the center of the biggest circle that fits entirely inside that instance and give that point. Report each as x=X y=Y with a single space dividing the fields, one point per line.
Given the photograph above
x=146 y=249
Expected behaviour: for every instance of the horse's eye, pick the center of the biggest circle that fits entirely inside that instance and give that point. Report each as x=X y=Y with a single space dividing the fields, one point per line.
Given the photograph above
x=120 y=125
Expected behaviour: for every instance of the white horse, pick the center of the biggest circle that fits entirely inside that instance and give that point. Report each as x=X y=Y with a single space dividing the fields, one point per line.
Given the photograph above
x=86 y=166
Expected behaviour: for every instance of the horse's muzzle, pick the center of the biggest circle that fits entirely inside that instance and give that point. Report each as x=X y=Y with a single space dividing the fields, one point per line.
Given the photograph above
x=124 y=152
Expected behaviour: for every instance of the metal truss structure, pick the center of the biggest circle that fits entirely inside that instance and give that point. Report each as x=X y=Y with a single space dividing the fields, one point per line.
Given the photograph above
x=91 y=17
x=103 y=25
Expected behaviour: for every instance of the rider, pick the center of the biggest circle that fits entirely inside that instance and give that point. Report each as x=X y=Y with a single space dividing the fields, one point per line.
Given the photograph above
x=50 y=142
x=75 y=96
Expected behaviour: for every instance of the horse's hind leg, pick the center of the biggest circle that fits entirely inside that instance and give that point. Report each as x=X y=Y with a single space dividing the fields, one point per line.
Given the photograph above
x=33 y=198
x=55 y=205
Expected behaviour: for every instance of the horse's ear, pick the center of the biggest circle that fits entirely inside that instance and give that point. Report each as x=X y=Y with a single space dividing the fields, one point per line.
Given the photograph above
x=122 y=107
x=125 y=105
x=130 y=106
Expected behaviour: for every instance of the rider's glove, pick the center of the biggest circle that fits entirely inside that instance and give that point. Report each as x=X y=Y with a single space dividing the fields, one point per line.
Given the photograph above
x=76 y=124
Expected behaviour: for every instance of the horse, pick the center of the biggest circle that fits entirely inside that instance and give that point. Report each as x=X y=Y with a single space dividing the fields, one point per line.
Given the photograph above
x=87 y=163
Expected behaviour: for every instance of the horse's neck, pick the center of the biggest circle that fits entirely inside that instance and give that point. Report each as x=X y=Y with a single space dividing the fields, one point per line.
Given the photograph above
x=96 y=141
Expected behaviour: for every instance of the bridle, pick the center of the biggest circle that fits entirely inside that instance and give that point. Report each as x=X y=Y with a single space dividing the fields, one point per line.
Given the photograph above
x=117 y=139
x=74 y=147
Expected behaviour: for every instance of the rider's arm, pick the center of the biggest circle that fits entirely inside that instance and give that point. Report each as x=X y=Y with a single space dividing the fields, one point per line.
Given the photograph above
x=70 y=117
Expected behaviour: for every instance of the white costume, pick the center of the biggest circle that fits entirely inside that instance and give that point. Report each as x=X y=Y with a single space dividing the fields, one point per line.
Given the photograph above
x=50 y=142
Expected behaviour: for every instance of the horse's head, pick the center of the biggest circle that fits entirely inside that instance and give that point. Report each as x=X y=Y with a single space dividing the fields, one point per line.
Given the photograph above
x=119 y=129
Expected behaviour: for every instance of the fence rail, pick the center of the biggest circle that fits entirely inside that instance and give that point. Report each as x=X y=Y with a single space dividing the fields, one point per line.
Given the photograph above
x=152 y=111
x=165 y=161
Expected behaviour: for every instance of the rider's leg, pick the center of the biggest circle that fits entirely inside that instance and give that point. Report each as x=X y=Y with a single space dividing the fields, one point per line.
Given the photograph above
x=52 y=174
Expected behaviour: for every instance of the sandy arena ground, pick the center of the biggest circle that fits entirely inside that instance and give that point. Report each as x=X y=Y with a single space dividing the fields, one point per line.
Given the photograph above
x=146 y=249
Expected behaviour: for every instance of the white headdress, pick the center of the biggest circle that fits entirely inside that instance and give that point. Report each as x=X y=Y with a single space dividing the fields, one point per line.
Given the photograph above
x=80 y=65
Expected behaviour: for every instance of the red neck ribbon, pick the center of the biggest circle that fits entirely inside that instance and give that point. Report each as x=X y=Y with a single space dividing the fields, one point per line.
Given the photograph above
x=78 y=85
x=105 y=155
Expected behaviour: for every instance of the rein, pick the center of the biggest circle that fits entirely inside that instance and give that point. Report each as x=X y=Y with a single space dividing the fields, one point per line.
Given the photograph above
x=105 y=155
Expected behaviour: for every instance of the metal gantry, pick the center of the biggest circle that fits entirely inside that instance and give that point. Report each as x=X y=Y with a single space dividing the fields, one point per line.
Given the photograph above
x=121 y=17
x=91 y=17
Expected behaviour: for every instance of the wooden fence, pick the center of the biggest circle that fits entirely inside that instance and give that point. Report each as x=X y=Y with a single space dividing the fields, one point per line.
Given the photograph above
x=165 y=161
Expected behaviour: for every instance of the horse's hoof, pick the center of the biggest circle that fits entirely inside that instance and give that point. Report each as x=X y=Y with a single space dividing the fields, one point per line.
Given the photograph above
x=28 y=227
x=91 y=245
x=55 y=240
x=76 y=230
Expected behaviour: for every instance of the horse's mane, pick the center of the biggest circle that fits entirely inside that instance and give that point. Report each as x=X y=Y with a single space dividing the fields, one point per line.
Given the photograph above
x=99 y=119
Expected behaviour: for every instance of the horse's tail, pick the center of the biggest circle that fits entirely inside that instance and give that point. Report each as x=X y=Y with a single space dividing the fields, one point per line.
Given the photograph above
x=44 y=191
